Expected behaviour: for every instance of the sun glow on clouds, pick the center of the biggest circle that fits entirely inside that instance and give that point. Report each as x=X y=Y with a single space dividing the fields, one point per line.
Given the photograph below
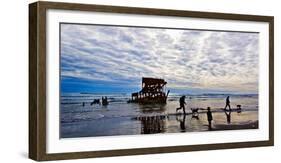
x=187 y=59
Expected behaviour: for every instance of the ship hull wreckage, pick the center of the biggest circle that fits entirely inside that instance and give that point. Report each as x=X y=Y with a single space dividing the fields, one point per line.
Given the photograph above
x=152 y=92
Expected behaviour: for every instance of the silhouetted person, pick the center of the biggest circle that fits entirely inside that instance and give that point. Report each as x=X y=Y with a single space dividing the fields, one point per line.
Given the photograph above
x=227 y=103
x=182 y=103
x=83 y=104
x=104 y=100
x=210 y=118
x=228 y=116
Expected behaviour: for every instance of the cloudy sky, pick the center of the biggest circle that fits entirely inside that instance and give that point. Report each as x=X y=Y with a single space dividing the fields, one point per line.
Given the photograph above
x=98 y=58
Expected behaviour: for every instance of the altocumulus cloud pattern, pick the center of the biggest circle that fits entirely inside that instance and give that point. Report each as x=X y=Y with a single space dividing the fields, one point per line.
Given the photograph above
x=103 y=58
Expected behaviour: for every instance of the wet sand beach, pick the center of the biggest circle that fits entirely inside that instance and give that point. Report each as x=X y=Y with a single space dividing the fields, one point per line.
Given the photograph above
x=122 y=118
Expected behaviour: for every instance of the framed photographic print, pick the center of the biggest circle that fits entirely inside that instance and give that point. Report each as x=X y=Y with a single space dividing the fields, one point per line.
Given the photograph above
x=113 y=81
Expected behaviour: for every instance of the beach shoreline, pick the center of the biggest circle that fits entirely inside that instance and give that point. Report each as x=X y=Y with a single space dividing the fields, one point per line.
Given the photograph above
x=78 y=118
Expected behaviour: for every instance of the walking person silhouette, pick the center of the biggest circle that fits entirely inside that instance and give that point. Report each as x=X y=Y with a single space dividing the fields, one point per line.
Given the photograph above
x=227 y=103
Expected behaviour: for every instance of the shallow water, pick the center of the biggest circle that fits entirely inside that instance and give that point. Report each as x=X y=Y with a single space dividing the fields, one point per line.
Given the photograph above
x=122 y=118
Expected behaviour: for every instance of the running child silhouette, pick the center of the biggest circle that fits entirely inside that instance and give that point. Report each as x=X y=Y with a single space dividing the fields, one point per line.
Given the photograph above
x=182 y=103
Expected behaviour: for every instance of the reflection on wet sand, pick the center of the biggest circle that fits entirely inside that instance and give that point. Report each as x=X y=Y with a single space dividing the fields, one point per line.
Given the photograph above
x=153 y=108
x=120 y=118
x=168 y=123
x=228 y=116
x=182 y=123
x=152 y=124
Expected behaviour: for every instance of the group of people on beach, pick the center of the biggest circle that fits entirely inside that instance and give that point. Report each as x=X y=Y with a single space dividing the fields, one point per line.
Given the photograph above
x=104 y=101
x=209 y=113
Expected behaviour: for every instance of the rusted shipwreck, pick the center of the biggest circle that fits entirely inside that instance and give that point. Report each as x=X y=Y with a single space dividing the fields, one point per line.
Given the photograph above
x=152 y=92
